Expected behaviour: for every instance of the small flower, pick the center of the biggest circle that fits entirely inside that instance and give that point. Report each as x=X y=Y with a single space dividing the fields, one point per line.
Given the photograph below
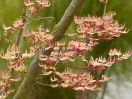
x=102 y=60
x=6 y=28
x=83 y=59
x=44 y=3
x=126 y=55
x=102 y=1
x=105 y=78
x=43 y=57
x=53 y=79
x=30 y=54
x=46 y=73
x=61 y=43
x=16 y=79
x=32 y=9
x=112 y=52
x=3 y=96
x=9 y=91
x=11 y=53
x=18 y=23
x=101 y=68
x=28 y=2
x=5 y=75
x=21 y=68
x=54 y=85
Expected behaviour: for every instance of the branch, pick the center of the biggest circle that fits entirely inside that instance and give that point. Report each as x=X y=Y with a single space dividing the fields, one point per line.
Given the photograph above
x=67 y=18
x=20 y=31
x=105 y=5
x=28 y=15
x=77 y=67
x=34 y=69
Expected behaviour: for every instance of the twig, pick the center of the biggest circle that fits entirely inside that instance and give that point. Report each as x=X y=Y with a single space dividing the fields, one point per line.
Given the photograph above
x=18 y=9
x=41 y=18
x=77 y=67
x=42 y=84
x=105 y=87
x=105 y=5
x=28 y=15
x=75 y=39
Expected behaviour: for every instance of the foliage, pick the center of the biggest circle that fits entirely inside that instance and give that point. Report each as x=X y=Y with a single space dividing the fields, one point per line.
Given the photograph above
x=45 y=45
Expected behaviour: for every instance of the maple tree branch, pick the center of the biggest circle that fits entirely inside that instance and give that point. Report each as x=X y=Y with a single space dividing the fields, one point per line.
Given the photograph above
x=67 y=18
x=34 y=69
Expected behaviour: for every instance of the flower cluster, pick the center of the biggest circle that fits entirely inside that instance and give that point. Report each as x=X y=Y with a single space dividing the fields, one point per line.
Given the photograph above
x=32 y=7
x=17 y=25
x=5 y=83
x=40 y=38
x=11 y=53
x=16 y=58
x=68 y=79
x=104 y=27
x=16 y=62
x=101 y=63
x=90 y=31
x=79 y=80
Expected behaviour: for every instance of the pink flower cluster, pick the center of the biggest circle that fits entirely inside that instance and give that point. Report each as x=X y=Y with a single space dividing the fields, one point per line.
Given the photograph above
x=17 y=25
x=104 y=27
x=33 y=8
x=5 y=83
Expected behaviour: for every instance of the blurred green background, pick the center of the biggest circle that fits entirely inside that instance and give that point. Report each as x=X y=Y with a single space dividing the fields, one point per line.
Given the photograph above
x=118 y=87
